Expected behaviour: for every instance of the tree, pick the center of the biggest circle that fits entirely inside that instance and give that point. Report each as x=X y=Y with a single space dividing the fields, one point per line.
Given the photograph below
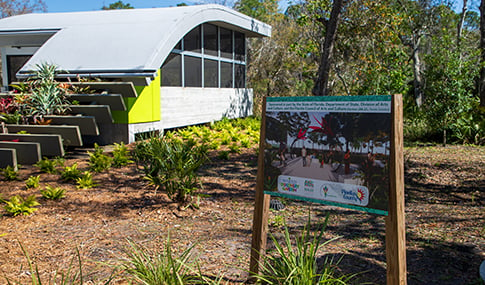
x=320 y=88
x=118 y=5
x=16 y=7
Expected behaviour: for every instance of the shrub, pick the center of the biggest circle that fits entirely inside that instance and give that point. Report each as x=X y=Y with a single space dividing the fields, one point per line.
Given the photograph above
x=9 y=173
x=171 y=165
x=70 y=173
x=86 y=181
x=98 y=161
x=17 y=205
x=32 y=182
x=46 y=165
x=159 y=268
x=53 y=193
x=297 y=264
x=121 y=155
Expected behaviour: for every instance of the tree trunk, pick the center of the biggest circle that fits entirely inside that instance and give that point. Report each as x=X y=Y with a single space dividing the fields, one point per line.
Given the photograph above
x=418 y=80
x=462 y=21
x=482 y=50
x=321 y=84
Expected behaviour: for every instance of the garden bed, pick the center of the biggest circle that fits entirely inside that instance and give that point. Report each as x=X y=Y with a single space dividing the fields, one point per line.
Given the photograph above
x=445 y=199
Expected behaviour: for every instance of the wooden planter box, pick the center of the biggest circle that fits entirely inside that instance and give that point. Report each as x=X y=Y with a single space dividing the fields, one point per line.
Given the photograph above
x=87 y=124
x=8 y=157
x=71 y=136
x=50 y=145
x=27 y=152
x=102 y=113
x=114 y=101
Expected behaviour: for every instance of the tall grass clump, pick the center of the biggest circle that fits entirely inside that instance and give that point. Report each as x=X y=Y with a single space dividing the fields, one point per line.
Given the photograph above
x=295 y=263
x=172 y=165
x=163 y=268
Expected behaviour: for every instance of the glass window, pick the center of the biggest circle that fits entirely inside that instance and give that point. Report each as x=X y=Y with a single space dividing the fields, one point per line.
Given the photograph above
x=210 y=40
x=226 y=75
x=226 y=43
x=172 y=70
x=211 y=78
x=193 y=71
x=192 y=40
x=239 y=46
x=240 y=76
x=179 y=45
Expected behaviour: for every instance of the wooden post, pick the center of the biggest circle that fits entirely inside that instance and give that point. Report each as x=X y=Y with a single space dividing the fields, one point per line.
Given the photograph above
x=395 y=222
x=261 y=207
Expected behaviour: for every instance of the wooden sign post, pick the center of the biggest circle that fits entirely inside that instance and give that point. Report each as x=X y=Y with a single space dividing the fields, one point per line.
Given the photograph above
x=395 y=220
x=395 y=224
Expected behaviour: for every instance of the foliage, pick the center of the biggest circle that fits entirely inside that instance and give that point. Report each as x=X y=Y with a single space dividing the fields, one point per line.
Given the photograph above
x=16 y=7
x=297 y=264
x=121 y=155
x=47 y=97
x=9 y=173
x=70 y=173
x=49 y=165
x=32 y=182
x=118 y=5
x=53 y=193
x=86 y=181
x=158 y=268
x=17 y=205
x=171 y=165
x=98 y=161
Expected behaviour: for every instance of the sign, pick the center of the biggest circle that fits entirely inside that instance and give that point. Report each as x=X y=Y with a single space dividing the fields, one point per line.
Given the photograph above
x=331 y=150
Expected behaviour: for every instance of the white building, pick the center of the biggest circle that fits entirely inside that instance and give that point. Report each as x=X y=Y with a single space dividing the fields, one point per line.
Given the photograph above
x=187 y=64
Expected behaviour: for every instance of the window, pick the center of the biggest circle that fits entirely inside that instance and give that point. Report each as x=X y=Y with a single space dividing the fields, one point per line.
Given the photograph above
x=240 y=76
x=207 y=56
x=211 y=41
x=239 y=46
x=192 y=41
x=226 y=43
x=211 y=76
x=193 y=71
x=171 y=70
x=14 y=64
x=226 y=75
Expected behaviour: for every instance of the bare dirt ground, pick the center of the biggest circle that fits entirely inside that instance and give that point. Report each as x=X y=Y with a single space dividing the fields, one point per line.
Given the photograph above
x=445 y=221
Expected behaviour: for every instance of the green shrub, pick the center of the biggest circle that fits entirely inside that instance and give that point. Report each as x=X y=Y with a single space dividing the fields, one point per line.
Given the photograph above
x=98 y=161
x=223 y=154
x=17 y=205
x=32 y=182
x=145 y=267
x=235 y=148
x=46 y=165
x=9 y=173
x=53 y=193
x=171 y=165
x=86 y=181
x=121 y=155
x=70 y=173
x=297 y=264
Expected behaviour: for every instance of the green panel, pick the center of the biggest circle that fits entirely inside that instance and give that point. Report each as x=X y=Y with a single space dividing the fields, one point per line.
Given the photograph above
x=144 y=108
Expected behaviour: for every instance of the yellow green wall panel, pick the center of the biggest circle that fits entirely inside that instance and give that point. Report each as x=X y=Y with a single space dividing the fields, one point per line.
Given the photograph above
x=144 y=108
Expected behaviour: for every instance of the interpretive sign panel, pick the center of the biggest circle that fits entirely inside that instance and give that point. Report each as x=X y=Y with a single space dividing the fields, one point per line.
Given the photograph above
x=331 y=150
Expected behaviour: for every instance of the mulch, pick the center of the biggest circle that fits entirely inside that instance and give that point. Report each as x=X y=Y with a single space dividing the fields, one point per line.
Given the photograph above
x=445 y=218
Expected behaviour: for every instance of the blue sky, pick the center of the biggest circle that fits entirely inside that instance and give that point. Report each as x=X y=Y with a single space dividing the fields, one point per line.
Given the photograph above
x=90 y=5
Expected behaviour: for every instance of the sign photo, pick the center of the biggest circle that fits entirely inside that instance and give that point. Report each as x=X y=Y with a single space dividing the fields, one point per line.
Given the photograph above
x=332 y=150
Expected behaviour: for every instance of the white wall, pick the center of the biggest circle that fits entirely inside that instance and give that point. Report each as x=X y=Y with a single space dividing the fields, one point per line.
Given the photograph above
x=189 y=106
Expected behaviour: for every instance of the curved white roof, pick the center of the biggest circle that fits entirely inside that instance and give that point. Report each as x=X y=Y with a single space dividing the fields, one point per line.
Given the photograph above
x=133 y=41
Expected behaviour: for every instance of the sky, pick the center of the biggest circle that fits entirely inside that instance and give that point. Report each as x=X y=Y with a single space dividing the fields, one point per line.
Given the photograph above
x=90 y=5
